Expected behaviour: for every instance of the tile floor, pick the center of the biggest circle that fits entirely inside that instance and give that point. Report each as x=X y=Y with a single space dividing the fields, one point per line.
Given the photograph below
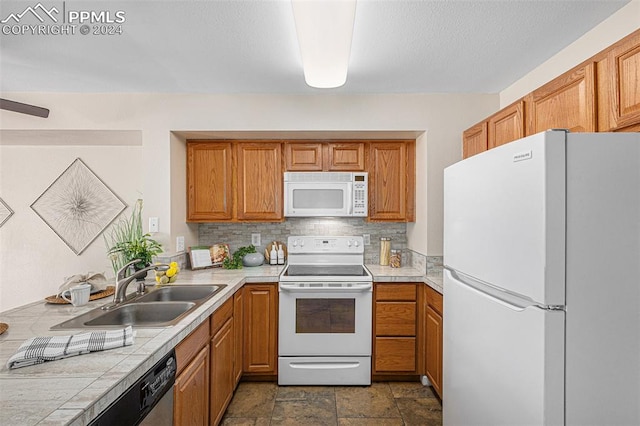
x=384 y=404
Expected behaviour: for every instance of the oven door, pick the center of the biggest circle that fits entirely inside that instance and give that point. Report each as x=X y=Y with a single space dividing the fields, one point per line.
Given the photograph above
x=325 y=319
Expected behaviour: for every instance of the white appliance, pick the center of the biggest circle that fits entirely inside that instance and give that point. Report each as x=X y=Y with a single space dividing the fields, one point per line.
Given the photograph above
x=308 y=194
x=325 y=310
x=542 y=283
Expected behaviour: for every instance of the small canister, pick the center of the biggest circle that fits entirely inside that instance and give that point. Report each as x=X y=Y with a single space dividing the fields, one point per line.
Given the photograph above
x=385 y=250
x=395 y=260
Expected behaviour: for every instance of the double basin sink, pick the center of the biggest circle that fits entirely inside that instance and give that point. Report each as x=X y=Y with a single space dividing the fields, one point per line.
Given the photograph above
x=161 y=307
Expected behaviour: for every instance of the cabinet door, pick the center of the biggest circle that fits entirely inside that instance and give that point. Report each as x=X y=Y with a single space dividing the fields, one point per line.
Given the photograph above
x=568 y=102
x=191 y=392
x=306 y=157
x=392 y=181
x=624 y=81
x=474 y=140
x=348 y=156
x=238 y=328
x=396 y=319
x=507 y=125
x=395 y=355
x=261 y=329
x=433 y=358
x=209 y=181
x=259 y=168
x=222 y=378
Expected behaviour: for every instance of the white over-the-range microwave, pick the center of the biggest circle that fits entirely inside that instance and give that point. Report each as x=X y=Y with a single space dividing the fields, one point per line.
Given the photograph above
x=330 y=194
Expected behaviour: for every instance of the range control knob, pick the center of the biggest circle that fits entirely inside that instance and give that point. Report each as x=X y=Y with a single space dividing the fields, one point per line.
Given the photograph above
x=349 y=243
x=357 y=243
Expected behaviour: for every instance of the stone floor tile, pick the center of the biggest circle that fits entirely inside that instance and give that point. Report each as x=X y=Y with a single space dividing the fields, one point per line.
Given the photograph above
x=243 y=421
x=370 y=421
x=290 y=393
x=320 y=410
x=253 y=400
x=420 y=411
x=411 y=390
x=372 y=401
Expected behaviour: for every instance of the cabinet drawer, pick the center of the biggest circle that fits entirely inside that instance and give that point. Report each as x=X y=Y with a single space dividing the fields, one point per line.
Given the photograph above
x=191 y=345
x=405 y=292
x=395 y=355
x=221 y=315
x=434 y=299
x=395 y=318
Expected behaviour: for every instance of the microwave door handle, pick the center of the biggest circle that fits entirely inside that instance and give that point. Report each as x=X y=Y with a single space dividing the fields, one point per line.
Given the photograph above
x=350 y=199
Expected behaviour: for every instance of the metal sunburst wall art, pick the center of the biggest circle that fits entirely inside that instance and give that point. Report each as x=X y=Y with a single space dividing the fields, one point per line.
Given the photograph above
x=5 y=212
x=78 y=206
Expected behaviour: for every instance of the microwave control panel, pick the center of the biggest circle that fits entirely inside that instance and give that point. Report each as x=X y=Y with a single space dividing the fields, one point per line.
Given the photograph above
x=360 y=196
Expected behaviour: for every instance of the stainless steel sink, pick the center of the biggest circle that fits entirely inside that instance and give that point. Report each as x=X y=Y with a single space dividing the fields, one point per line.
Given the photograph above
x=156 y=314
x=161 y=307
x=183 y=293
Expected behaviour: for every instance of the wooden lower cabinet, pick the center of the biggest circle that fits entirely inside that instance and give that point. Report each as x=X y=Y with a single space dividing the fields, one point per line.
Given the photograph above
x=191 y=392
x=395 y=345
x=222 y=372
x=261 y=329
x=238 y=329
x=433 y=342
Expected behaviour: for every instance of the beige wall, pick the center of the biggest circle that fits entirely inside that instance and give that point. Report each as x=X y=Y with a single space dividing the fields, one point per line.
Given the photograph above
x=33 y=261
x=617 y=26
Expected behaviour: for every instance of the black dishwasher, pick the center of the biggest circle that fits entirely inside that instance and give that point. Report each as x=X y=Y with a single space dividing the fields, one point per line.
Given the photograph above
x=151 y=396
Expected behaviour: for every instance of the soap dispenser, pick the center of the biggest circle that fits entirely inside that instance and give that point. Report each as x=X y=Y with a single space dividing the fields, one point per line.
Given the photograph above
x=280 y=255
x=273 y=255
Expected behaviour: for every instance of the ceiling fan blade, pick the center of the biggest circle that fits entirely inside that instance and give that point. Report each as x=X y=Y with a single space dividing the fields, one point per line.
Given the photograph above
x=24 y=108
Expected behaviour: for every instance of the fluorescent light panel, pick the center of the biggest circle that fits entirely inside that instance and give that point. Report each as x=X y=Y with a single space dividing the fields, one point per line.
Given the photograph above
x=325 y=29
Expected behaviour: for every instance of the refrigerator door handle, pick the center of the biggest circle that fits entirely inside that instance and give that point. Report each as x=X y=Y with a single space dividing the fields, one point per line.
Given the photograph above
x=511 y=301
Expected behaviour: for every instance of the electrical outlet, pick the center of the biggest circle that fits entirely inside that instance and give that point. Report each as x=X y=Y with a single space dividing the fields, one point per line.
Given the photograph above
x=255 y=239
x=153 y=224
x=367 y=239
x=179 y=244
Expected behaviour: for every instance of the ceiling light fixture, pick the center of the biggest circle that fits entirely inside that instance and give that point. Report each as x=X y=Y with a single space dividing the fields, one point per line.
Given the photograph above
x=325 y=29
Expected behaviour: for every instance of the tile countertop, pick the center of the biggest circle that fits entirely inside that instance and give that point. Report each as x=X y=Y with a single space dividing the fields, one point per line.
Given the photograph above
x=74 y=390
x=407 y=274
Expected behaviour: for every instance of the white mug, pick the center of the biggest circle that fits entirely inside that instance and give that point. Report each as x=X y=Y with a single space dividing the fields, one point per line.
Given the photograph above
x=79 y=294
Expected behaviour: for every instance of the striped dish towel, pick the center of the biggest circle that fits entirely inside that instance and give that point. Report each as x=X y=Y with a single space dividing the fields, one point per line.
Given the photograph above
x=41 y=349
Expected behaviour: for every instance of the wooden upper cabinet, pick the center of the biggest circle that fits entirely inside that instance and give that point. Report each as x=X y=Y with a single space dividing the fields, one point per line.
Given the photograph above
x=260 y=183
x=307 y=157
x=507 y=125
x=474 y=140
x=348 y=156
x=392 y=181
x=209 y=181
x=623 y=63
x=324 y=156
x=568 y=102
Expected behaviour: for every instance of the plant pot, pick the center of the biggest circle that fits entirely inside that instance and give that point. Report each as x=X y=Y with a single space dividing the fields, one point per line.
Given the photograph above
x=253 y=259
x=136 y=268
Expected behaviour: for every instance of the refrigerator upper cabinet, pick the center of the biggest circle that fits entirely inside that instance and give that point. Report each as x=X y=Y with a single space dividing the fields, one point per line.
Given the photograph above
x=518 y=244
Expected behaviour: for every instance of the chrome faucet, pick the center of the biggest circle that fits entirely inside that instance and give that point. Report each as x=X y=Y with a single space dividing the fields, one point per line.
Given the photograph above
x=123 y=281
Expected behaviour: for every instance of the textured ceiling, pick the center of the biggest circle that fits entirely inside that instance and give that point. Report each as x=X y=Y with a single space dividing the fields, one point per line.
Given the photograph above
x=249 y=46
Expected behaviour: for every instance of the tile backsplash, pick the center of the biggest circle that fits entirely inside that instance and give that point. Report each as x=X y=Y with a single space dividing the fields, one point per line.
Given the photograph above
x=239 y=234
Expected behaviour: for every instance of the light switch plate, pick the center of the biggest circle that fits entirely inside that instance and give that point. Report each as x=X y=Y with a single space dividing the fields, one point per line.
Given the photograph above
x=153 y=224
x=179 y=244
x=367 y=239
x=255 y=239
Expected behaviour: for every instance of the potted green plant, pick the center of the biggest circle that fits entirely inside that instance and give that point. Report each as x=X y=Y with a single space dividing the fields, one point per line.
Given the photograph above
x=127 y=241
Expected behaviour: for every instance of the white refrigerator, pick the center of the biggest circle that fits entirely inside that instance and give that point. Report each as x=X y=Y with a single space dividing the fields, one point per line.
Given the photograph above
x=542 y=283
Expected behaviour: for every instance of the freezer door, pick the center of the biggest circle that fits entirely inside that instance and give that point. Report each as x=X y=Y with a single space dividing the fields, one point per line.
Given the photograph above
x=504 y=217
x=503 y=361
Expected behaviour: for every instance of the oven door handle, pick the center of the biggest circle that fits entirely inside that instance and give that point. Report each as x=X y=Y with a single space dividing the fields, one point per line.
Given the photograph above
x=293 y=288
